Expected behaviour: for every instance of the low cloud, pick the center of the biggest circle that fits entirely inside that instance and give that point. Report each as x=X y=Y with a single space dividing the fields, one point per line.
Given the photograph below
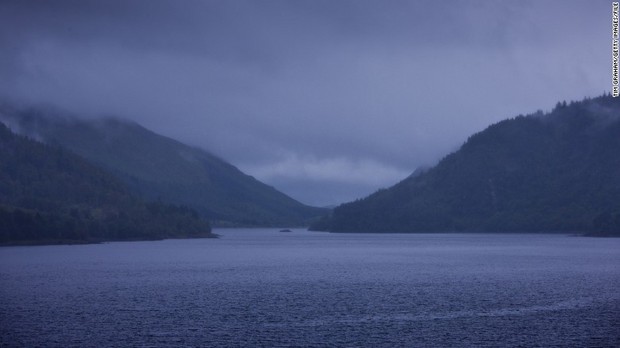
x=307 y=93
x=365 y=172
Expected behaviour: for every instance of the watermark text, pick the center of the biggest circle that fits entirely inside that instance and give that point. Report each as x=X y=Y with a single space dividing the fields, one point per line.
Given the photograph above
x=615 y=48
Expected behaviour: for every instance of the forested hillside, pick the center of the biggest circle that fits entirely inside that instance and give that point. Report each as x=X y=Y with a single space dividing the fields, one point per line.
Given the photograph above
x=537 y=173
x=48 y=194
x=154 y=166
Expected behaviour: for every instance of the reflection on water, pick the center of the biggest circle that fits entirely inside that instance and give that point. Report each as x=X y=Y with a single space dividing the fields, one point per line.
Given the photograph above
x=265 y=288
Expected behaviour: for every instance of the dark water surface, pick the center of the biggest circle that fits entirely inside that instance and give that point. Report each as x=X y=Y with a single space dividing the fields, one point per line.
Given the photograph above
x=265 y=288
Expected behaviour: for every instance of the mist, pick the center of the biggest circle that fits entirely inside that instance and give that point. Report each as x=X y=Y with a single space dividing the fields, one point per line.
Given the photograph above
x=327 y=101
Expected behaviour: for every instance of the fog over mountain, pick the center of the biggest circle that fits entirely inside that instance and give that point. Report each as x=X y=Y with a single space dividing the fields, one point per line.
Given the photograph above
x=552 y=172
x=325 y=100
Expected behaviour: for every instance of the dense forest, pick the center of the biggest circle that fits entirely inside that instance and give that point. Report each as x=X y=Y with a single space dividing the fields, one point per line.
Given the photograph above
x=49 y=195
x=554 y=172
x=156 y=167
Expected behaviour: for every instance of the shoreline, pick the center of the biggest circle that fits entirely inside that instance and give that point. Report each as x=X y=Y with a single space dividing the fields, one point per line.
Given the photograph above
x=48 y=242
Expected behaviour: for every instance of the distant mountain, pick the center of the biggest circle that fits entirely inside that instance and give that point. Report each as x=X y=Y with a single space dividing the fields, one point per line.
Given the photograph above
x=538 y=173
x=158 y=167
x=50 y=195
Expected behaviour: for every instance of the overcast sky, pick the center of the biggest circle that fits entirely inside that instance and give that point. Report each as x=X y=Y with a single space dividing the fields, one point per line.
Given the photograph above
x=325 y=100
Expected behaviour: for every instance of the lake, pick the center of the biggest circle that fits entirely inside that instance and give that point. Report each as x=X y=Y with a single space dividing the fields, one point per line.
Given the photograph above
x=261 y=287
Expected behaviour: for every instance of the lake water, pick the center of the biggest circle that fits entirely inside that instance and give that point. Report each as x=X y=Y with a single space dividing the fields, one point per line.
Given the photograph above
x=262 y=287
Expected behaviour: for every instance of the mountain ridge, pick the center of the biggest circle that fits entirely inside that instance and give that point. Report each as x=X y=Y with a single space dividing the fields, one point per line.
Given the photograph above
x=50 y=195
x=158 y=167
x=537 y=173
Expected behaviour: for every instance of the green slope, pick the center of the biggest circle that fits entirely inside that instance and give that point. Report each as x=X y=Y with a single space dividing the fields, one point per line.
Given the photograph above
x=159 y=167
x=535 y=173
x=48 y=194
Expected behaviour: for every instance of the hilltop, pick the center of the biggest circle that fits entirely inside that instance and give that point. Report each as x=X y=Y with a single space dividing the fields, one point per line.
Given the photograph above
x=157 y=167
x=553 y=172
x=49 y=195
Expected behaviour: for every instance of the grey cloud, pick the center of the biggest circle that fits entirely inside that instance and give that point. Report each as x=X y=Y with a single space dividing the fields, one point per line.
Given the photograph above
x=292 y=90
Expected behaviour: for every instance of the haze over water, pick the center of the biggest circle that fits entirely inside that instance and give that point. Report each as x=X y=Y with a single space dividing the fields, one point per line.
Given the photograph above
x=261 y=287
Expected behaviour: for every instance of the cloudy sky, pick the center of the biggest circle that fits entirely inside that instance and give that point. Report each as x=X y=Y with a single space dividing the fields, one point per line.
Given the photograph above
x=327 y=100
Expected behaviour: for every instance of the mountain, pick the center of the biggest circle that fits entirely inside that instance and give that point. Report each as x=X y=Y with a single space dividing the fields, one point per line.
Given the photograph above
x=157 y=167
x=50 y=195
x=558 y=171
